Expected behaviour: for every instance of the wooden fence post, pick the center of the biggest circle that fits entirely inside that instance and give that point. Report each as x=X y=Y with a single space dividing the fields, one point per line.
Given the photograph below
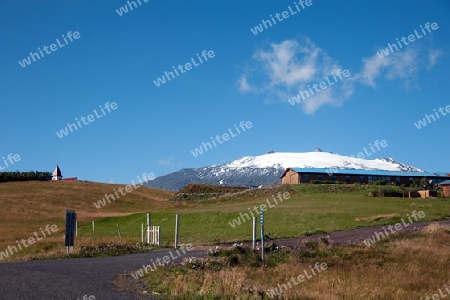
x=177 y=218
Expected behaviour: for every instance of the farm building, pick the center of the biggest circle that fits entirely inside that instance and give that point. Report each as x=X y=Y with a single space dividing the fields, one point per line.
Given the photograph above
x=306 y=175
x=446 y=187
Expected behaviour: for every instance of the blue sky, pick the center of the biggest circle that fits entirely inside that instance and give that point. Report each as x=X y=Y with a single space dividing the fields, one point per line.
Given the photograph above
x=250 y=78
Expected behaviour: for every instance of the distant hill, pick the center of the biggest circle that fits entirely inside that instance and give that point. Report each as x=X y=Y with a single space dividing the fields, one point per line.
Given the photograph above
x=266 y=169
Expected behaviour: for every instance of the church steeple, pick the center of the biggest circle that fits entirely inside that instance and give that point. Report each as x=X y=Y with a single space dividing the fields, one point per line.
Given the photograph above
x=57 y=174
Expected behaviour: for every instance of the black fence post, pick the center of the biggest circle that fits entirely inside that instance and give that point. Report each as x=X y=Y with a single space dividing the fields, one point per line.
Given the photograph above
x=71 y=219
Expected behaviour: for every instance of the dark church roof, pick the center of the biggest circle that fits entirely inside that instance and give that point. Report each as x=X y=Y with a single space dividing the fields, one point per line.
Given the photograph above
x=57 y=172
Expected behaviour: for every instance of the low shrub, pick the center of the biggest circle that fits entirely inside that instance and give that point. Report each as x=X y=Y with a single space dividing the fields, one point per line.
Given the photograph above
x=385 y=192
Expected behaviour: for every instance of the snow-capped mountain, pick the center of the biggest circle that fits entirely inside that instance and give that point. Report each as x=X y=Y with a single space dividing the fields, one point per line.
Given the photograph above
x=266 y=169
x=316 y=159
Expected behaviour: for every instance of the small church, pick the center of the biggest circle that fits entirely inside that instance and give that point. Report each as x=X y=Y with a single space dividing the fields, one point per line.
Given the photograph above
x=57 y=175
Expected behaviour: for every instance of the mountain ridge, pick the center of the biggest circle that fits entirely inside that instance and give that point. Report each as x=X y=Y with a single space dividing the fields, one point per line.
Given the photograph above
x=267 y=168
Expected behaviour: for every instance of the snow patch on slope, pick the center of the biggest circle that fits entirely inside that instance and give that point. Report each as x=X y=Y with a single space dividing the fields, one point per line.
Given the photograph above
x=316 y=160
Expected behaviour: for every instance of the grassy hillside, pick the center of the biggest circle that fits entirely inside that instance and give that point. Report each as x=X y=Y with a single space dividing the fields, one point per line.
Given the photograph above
x=310 y=209
x=27 y=206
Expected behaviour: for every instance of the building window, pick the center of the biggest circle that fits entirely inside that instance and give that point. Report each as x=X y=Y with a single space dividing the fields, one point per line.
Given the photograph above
x=411 y=179
x=320 y=177
x=397 y=179
x=361 y=178
x=333 y=177
x=370 y=178
x=347 y=178
x=305 y=177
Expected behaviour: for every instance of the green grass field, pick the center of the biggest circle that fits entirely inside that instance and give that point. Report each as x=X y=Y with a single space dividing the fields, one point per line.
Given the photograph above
x=310 y=208
x=410 y=265
x=28 y=206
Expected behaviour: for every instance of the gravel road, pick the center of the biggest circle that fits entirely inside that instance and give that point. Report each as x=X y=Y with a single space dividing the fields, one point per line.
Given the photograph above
x=74 y=278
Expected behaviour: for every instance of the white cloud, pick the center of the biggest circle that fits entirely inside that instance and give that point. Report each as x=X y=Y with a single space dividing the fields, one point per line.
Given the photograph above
x=291 y=66
x=289 y=63
x=166 y=162
x=398 y=65
x=372 y=69
x=403 y=65
x=243 y=84
x=282 y=70
x=433 y=56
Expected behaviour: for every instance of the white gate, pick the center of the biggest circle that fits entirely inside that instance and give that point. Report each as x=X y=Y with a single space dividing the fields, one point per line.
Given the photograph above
x=154 y=235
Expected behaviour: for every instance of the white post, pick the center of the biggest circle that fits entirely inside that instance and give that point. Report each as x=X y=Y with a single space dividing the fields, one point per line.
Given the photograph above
x=142 y=233
x=262 y=235
x=254 y=233
x=93 y=228
x=118 y=231
x=177 y=218
x=76 y=228
x=148 y=228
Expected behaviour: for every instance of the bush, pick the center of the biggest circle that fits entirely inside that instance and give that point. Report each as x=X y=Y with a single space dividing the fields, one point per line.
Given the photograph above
x=270 y=235
x=25 y=176
x=385 y=192
x=381 y=182
x=314 y=232
x=325 y=182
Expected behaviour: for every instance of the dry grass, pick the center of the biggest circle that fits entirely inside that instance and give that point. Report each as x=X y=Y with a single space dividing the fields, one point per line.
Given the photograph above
x=436 y=228
x=53 y=248
x=385 y=217
x=402 y=267
x=28 y=206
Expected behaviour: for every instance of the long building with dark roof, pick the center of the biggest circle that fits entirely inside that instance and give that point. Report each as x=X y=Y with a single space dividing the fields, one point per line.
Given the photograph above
x=306 y=175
